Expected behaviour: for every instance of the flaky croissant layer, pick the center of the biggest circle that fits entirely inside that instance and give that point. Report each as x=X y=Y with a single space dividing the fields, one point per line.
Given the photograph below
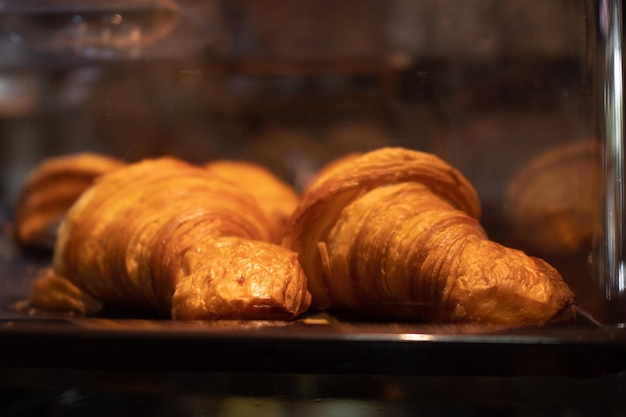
x=167 y=237
x=395 y=233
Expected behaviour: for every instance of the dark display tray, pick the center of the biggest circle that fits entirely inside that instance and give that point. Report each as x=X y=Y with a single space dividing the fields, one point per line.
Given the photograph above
x=314 y=344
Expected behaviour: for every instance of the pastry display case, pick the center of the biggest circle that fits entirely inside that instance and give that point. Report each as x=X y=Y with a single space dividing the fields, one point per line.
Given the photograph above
x=505 y=115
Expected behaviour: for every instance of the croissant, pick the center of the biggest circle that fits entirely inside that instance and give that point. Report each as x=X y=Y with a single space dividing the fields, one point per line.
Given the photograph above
x=167 y=237
x=276 y=198
x=49 y=191
x=552 y=201
x=395 y=233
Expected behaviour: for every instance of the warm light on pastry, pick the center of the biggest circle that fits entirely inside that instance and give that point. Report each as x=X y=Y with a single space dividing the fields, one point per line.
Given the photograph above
x=395 y=233
x=276 y=198
x=170 y=238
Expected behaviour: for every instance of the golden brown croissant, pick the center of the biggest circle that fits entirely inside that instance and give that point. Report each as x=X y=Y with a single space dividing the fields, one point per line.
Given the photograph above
x=275 y=197
x=49 y=191
x=552 y=202
x=164 y=236
x=395 y=233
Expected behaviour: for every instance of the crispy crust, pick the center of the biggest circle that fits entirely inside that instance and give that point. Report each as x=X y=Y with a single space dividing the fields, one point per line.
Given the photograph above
x=157 y=235
x=276 y=198
x=395 y=233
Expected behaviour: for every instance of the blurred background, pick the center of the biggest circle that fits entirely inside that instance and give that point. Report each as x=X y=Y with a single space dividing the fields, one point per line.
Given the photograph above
x=484 y=83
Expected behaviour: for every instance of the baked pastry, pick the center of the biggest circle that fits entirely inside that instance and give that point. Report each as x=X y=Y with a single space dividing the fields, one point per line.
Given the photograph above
x=552 y=202
x=48 y=192
x=276 y=198
x=395 y=233
x=167 y=237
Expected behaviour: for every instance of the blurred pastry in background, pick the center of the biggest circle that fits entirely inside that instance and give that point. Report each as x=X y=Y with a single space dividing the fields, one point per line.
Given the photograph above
x=551 y=204
x=49 y=191
x=357 y=136
x=277 y=199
